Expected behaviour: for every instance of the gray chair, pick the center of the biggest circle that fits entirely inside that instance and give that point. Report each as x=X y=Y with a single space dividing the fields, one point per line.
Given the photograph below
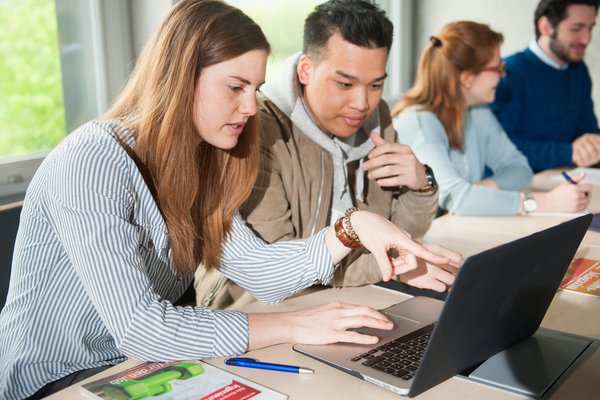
x=9 y=223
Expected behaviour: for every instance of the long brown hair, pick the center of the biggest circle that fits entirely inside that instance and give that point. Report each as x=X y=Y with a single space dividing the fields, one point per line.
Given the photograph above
x=197 y=187
x=460 y=46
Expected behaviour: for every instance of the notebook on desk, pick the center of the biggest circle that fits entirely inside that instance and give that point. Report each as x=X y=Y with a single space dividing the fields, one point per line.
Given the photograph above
x=499 y=298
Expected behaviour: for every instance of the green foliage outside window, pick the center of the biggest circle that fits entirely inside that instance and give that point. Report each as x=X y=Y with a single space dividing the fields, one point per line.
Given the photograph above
x=32 y=117
x=282 y=21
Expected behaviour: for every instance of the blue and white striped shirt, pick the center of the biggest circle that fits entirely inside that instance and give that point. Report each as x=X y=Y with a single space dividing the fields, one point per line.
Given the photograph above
x=92 y=282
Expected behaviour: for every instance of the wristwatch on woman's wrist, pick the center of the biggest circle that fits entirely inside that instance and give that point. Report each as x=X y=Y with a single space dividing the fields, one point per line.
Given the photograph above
x=529 y=203
x=431 y=182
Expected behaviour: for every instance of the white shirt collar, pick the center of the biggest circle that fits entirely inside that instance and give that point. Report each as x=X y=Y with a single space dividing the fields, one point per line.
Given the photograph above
x=545 y=58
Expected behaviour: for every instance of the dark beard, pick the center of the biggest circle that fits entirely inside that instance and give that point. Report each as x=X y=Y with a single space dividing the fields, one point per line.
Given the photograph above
x=560 y=51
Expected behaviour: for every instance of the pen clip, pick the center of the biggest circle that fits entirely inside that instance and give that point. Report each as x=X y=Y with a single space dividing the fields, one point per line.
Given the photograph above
x=239 y=359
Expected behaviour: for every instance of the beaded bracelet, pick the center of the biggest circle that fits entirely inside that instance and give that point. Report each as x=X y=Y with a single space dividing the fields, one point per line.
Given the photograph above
x=348 y=224
x=344 y=231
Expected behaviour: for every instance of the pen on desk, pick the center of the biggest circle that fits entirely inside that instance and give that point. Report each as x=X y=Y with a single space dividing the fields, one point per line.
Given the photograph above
x=252 y=363
x=568 y=178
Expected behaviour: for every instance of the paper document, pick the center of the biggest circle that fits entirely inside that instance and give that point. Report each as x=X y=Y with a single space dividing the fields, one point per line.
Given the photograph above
x=592 y=175
x=558 y=214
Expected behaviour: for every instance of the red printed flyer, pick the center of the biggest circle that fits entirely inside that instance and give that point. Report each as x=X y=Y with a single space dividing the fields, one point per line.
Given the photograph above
x=583 y=276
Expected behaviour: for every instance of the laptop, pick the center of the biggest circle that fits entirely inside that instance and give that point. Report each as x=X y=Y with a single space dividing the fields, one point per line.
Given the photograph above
x=499 y=298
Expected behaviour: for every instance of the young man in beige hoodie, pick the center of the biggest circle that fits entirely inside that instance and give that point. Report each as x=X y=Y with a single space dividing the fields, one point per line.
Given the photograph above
x=328 y=144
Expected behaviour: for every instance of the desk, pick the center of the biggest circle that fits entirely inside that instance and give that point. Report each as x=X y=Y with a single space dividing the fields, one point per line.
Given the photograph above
x=568 y=312
x=450 y=230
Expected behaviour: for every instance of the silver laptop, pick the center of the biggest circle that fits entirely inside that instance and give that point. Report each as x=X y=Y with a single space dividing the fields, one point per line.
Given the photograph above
x=499 y=298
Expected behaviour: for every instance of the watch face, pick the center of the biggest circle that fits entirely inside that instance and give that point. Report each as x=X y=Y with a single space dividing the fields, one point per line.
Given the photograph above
x=529 y=205
x=430 y=177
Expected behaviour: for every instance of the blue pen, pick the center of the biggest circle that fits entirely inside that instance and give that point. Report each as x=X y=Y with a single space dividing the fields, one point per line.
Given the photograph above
x=568 y=178
x=252 y=363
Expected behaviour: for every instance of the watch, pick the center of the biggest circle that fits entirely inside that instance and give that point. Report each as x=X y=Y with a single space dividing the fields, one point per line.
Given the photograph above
x=431 y=182
x=529 y=204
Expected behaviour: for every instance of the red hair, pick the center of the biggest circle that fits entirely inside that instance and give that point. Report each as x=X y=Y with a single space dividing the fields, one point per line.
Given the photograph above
x=459 y=47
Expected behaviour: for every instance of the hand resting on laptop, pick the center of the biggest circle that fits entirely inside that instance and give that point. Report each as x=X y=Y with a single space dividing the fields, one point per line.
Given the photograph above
x=434 y=276
x=428 y=265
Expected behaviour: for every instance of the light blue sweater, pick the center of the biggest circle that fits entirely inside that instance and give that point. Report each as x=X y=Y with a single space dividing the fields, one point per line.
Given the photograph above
x=457 y=171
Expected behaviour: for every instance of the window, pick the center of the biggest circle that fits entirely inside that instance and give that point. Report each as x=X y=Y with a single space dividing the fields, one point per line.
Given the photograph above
x=54 y=53
x=31 y=103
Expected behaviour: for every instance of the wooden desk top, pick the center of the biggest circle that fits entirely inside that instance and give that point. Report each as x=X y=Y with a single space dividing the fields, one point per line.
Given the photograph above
x=482 y=232
x=566 y=313
x=569 y=312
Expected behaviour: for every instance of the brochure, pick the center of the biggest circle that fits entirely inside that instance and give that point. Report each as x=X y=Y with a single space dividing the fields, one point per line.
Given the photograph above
x=189 y=379
x=583 y=276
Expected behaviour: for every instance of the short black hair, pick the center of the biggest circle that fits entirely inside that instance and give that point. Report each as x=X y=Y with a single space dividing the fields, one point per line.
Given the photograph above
x=359 y=22
x=556 y=11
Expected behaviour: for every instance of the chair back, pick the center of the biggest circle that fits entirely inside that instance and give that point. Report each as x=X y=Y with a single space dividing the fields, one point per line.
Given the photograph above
x=9 y=224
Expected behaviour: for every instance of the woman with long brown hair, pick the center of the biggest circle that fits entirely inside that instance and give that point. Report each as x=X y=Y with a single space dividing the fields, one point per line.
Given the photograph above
x=120 y=214
x=445 y=119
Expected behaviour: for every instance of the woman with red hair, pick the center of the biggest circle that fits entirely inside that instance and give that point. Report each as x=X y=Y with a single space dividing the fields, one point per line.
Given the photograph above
x=445 y=119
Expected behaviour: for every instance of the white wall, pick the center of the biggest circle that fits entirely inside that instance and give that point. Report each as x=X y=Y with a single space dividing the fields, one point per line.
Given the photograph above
x=147 y=15
x=514 y=18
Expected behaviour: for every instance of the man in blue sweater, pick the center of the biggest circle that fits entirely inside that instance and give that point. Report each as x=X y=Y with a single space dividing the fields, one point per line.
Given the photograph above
x=544 y=103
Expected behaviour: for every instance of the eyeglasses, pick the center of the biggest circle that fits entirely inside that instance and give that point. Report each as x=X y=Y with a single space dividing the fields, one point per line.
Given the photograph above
x=500 y=69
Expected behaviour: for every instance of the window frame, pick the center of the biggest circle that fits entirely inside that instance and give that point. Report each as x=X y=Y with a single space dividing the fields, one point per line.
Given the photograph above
x=401 y=60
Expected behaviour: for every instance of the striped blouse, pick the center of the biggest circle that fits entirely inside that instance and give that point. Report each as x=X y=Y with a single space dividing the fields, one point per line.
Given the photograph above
x=92 y=282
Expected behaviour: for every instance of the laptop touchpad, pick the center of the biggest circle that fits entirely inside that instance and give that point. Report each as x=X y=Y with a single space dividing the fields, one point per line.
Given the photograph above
x=407 y=316
x=401 y=326
x=420 y=309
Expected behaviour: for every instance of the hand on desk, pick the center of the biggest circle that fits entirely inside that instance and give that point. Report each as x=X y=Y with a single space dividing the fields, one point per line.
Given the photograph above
x=435 y=276
x=566 y=197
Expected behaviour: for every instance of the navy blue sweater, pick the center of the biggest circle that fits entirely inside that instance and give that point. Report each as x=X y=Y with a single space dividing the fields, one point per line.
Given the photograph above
x=543 y=109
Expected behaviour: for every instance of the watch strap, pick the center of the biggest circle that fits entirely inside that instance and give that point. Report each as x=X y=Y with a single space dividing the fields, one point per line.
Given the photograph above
x=431 y=182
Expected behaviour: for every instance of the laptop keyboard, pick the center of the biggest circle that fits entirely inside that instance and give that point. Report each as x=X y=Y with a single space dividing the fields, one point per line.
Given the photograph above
x=400 y=357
